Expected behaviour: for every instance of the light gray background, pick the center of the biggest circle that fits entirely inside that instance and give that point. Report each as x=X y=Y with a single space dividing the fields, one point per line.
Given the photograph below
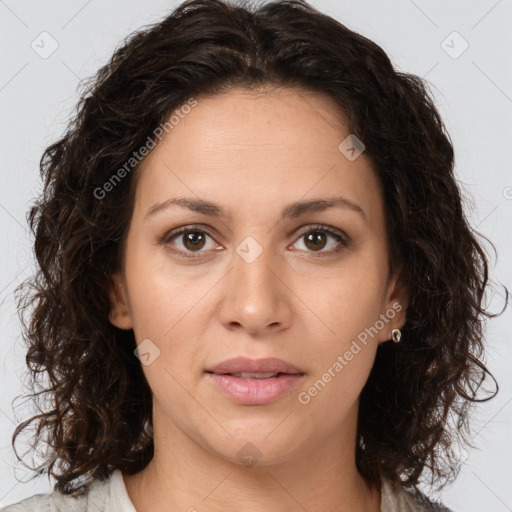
x=473 y=91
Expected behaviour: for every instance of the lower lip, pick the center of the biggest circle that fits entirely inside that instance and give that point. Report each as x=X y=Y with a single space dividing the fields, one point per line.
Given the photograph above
x=253 y=391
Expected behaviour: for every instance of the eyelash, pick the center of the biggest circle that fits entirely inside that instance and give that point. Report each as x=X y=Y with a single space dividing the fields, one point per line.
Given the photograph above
x=343 y=239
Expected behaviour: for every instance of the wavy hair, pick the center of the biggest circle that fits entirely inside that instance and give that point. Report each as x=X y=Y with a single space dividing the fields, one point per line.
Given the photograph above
x=97 y=411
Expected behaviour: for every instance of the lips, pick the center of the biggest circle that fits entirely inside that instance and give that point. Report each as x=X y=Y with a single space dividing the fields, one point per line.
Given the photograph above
x=254 y=381
x=244 y=365
x=249 y=375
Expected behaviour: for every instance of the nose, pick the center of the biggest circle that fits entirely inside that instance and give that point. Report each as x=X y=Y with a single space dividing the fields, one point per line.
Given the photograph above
x=255 y=295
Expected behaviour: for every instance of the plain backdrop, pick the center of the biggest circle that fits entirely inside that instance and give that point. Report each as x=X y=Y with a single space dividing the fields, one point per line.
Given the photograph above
x=461 y=47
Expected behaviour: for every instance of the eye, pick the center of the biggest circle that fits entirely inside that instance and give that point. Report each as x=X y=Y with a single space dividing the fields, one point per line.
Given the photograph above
x=317 y=237
x=192 y=239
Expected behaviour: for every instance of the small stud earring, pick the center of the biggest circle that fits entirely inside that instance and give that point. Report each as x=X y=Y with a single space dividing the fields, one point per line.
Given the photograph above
x=396 y=335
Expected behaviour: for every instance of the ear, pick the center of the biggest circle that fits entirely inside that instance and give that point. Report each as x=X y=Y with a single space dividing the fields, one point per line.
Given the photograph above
x=119 y=314
x=397 y=300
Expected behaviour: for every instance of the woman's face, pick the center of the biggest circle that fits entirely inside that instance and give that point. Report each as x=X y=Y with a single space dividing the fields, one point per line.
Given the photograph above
x=259 y=275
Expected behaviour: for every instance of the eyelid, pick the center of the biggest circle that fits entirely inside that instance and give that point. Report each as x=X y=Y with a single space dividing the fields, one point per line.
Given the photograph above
x=184 y=229
x=322 y=227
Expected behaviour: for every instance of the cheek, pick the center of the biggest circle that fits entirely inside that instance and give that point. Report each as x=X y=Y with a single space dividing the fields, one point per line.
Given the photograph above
x=345 y=302
x=342 y=365
x=167 y=308
x=346 y=309
x=162 y=296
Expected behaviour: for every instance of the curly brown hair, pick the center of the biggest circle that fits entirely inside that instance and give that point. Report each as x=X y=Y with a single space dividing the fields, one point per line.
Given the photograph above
x=97 y=415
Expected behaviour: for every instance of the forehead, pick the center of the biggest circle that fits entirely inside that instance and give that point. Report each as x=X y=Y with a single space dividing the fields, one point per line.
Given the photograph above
x=279 y=124
x=244 y=149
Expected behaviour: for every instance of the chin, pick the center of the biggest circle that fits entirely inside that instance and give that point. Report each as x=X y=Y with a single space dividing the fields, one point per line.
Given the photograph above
x=260 y=444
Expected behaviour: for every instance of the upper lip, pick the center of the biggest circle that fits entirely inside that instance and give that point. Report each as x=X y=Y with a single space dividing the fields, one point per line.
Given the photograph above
x=247 y=365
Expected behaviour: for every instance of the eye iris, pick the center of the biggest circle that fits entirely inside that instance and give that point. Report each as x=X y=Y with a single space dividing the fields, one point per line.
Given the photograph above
x=192 y=237
x=315 y=236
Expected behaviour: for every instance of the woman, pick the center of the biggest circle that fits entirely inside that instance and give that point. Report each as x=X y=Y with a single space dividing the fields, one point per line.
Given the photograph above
x=257 y=286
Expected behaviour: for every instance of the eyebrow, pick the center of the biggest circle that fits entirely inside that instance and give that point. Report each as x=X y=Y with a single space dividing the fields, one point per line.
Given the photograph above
x=291 y=211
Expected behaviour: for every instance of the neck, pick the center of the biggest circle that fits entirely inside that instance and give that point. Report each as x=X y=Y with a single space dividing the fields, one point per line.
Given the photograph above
x=186 y=476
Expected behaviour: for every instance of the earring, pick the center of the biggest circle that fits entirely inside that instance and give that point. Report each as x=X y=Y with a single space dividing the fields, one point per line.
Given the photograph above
x=396 y=335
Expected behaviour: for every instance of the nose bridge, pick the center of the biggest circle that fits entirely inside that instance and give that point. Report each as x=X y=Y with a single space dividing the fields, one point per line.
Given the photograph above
x=255 y=296
x=255 y=265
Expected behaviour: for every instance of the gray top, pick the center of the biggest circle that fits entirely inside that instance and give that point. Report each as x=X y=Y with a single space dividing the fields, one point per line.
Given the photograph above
x=111 y=496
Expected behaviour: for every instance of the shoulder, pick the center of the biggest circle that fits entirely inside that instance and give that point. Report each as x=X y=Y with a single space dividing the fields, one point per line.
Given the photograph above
x=398 y=499
x=51 y=502
x=91 y=498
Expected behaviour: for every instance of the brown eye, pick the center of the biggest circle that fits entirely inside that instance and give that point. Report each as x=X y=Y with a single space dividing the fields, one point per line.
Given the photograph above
x=193 y=240
x=316 y=238
x=188 y=240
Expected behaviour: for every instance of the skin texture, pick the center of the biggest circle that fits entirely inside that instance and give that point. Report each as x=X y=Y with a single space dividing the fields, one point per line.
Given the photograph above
x=254 y=154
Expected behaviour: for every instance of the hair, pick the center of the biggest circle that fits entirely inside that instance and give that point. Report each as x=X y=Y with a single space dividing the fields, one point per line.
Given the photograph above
x=97 y=417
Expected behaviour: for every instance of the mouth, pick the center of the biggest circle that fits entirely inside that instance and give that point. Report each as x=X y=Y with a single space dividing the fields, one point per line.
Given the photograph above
x=254 y=367
x=254 y=382
x=252 y=375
